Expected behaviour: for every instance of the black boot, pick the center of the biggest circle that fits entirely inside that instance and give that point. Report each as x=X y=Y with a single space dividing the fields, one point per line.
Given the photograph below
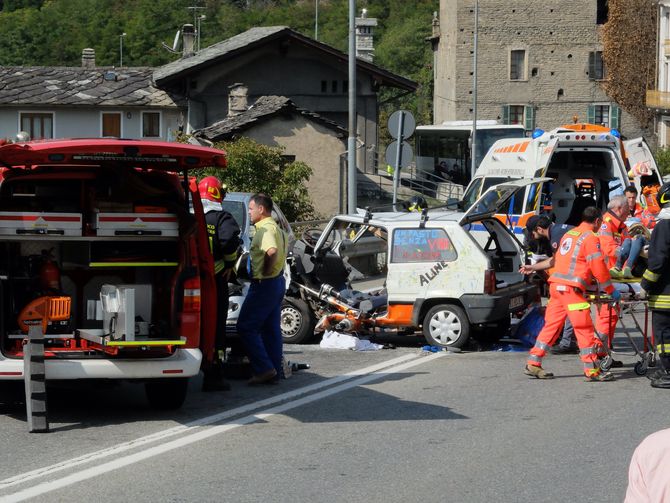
x=214 y=380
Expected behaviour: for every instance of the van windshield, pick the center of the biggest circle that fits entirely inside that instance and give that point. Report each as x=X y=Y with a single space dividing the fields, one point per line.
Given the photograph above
x=478 y=187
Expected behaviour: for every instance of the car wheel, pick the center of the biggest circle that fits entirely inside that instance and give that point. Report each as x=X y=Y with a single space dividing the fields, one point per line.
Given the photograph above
x=446 y=325
x=297 y=321
x=166 y=394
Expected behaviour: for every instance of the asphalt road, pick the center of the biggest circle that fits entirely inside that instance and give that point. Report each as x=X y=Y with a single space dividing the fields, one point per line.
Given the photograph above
x=391 y=425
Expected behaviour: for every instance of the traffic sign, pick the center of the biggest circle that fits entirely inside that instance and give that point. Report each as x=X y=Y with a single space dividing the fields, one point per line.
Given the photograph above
x=401 y=123
x=406 y=154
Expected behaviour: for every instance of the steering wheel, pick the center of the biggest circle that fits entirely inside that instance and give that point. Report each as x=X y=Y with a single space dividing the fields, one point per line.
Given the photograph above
x=311 y=237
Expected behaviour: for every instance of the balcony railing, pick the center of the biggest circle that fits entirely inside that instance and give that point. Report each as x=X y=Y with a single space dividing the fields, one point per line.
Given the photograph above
x=659 y=100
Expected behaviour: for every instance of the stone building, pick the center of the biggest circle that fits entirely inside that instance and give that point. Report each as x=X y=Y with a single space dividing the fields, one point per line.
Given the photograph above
x=539 y=64
x=305 y=136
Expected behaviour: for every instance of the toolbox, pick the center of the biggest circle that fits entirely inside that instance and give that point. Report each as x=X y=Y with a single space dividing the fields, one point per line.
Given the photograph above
x=13 y=223
x=136 y=224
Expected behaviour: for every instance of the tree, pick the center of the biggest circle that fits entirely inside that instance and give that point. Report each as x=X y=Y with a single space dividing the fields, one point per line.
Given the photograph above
x=662 y=157
x=253 y=167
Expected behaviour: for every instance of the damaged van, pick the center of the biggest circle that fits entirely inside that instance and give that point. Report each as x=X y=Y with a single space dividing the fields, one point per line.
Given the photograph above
x=587 y=164
x=97 y=245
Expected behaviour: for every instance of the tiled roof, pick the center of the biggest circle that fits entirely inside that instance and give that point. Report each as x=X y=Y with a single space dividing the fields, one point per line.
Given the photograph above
x=263 y=109
x=216 y=51
x=99 y=86
x=256 y=36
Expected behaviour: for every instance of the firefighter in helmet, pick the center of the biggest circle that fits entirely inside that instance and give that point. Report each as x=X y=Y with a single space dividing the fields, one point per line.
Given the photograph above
x=656 y=282
x=417 y=203
x=224 y=241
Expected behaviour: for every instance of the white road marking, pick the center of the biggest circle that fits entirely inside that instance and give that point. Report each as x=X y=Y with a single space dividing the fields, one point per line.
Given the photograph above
x=204 y=421
x=105 y=468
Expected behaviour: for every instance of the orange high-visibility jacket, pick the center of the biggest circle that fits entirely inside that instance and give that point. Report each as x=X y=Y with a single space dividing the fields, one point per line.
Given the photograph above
x=579 y=260
x=612 y=233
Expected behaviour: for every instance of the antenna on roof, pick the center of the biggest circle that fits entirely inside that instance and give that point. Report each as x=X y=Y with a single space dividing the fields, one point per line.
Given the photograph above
x=175 y=44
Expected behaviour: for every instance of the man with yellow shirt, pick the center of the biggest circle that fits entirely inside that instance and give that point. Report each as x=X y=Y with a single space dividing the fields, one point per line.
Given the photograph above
x=258 y=322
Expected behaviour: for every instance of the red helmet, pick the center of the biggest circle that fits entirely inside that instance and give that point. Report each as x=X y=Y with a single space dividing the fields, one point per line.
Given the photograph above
x=212 y=189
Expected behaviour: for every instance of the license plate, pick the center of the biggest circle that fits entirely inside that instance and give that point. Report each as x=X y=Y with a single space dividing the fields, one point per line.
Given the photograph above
x=515 y=302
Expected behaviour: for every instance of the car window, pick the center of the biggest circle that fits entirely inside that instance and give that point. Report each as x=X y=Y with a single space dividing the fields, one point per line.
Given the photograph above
x=237 y=210
x=363 y=246
x=422 y=245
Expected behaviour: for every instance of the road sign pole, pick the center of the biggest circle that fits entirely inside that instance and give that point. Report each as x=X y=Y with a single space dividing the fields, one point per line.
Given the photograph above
x=398 y=160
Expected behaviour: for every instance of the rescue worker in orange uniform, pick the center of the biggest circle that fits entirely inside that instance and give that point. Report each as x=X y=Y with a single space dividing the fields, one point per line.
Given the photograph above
x=578 y=261
x=612 y=234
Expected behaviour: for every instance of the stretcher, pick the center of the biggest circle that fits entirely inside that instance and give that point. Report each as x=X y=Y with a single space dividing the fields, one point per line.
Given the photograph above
x=633 y=303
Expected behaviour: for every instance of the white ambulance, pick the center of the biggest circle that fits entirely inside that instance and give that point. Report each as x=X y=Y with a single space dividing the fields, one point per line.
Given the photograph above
x=587 y=164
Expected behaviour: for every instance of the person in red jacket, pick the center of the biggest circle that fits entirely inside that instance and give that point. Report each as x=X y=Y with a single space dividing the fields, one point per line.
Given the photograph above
x=578 y=261
x=613 y=232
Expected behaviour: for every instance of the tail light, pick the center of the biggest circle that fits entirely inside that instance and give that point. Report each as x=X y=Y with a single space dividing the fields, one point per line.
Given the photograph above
x=490 y=281
x=192 y=295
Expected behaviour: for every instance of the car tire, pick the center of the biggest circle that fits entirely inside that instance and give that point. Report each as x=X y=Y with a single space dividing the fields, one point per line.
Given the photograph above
x=166 y=394
x=297 y=321
x=446 y=325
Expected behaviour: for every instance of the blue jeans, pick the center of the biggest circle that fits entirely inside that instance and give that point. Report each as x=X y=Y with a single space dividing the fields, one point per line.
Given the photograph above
x=630 y=251
x=258 y=324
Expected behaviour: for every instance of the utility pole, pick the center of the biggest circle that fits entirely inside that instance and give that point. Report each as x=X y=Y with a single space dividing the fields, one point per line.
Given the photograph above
x=473 y=148
x=196 y=23
x=351 y=141
x=316 y=19
x=121 y=37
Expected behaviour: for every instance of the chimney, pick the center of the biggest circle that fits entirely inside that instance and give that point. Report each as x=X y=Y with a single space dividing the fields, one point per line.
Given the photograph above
x=365 y=47
x=188 y=33
x=237 y=99
x=88 y=58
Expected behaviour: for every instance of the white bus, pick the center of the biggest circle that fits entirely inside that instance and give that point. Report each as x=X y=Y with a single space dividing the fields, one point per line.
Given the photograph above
x=443 y=151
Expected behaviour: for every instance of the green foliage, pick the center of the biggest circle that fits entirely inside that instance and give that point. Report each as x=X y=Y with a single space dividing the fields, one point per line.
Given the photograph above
x=662 y=156
x=253 y=167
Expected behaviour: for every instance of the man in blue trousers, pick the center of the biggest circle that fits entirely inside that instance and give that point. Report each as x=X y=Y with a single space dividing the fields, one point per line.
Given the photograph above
x=258 y=322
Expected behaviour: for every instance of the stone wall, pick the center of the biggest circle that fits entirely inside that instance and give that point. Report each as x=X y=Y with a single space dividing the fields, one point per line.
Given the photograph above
x=557 y=35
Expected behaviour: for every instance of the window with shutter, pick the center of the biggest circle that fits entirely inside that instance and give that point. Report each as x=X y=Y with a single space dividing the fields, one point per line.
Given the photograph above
x=529 y=123
x=111 y=124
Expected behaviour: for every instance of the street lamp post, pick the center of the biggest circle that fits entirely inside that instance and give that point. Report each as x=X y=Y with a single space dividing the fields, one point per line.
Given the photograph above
x=316 y=20
x=351 y=141
x=121 y=37
x=473 y=148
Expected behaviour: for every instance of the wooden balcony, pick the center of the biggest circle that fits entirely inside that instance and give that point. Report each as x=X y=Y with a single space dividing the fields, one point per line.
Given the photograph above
x=658 y=100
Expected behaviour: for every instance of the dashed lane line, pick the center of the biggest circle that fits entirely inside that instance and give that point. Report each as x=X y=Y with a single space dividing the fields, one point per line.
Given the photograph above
x=197 y=423
x=197 y=436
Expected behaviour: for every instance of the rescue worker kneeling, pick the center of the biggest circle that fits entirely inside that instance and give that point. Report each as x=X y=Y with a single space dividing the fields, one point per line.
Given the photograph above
x=578 y=261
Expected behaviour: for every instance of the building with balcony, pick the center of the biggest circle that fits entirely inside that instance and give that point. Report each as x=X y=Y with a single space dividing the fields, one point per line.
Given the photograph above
x=658 y=99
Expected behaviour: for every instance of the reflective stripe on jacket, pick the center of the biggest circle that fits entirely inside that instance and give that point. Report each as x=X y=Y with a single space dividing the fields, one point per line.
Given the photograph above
x=579 y=260
x=656 y=279
x=612 y=233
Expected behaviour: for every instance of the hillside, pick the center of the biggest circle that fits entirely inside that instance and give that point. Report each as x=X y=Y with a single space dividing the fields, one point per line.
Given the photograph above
x=53 y=32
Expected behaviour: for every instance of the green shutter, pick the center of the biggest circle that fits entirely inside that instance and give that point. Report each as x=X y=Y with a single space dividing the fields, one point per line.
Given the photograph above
x=529 y=119
x=592 y=66
x=615 y=113
x=505 y=114
x=591 y=114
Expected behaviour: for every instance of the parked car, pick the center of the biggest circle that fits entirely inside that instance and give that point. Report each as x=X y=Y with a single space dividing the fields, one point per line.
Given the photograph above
x=98 y=244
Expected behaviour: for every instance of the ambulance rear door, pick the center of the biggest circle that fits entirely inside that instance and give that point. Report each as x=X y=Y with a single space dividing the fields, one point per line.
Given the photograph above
x=641 y=161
